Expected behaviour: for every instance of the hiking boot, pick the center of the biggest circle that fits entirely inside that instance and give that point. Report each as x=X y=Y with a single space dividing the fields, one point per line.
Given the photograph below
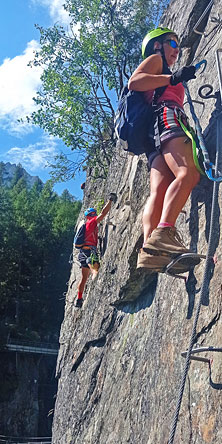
x=151 y=262
x=79 y=303
x=167 y=242
x=155 y=263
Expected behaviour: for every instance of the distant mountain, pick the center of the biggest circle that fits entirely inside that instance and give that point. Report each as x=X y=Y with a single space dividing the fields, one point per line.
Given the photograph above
x=8 y=171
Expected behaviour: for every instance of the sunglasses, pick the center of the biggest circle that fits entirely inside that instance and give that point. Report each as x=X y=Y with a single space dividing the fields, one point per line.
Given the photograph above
x=172 y=43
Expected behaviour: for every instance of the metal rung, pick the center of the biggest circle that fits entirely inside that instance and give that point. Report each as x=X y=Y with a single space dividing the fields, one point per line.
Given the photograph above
x=201 y=350
x=201 y=18
x=181 y=257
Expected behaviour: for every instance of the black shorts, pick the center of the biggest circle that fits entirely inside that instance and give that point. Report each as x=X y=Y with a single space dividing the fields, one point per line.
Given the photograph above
x=88 y=256
x=168 y=126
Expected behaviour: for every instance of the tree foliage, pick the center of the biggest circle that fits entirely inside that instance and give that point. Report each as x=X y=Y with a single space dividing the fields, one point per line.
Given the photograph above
x=84 y=72
x=36 y=233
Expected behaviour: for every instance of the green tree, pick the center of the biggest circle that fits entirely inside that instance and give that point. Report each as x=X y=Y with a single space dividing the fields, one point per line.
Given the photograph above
x=36 y=234
x=7 y=248
x=84 y=72
x=19 y=174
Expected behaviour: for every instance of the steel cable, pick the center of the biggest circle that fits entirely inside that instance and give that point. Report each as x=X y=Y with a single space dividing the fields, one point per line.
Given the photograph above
x=207 y=164
x=204 y=287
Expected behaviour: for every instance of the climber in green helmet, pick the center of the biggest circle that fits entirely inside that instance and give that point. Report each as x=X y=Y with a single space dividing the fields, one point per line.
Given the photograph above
x=173 y=173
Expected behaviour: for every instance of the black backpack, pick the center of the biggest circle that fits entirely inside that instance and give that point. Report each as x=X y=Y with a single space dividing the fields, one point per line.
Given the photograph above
x=80 y=235
x=133 y=122
x=135 y=119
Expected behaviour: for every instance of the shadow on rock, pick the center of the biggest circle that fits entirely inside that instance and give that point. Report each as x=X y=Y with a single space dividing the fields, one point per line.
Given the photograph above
x=140 y=288
x=144 y=299
x=191 y=291
x=203 y=195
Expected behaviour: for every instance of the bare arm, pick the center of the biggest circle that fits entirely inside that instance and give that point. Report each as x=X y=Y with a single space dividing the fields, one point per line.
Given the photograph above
x=104 y=211
x=148 y=75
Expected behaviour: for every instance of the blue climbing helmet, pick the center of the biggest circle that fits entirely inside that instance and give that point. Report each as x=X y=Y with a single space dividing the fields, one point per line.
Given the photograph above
x=151 y=37
x=90 y=212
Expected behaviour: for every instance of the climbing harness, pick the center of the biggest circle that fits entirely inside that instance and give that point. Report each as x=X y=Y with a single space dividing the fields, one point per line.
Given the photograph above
x=210 y=254
x=72 y=260
x=93 y=258
x=208 y=165
x=197 y=152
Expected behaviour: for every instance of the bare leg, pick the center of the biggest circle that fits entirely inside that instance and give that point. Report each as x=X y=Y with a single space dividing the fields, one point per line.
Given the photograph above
x=178 y=156
x=179 y=160
x=94 y=269
x=82 y=283
x=160 y=179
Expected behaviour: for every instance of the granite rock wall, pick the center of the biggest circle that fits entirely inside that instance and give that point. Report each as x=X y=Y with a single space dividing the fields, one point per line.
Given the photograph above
x=119 y=369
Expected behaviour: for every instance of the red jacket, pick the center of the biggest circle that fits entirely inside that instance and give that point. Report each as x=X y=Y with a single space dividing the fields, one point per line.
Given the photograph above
x=91 y=234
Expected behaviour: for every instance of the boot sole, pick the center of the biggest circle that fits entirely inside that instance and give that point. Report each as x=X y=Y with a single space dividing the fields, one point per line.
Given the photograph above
x=174 y=270
x=186 y=261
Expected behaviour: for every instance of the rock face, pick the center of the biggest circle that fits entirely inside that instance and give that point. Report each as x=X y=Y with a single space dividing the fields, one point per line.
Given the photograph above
x=120 y=369
x=8 y=171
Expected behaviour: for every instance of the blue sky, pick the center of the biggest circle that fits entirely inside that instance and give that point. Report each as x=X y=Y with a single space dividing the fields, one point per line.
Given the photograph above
x=24 y=143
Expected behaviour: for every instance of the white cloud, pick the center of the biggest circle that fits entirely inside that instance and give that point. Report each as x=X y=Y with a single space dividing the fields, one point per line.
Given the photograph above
x=18 y=86
x=19 y=82
x=56 y=10
x=34 y=156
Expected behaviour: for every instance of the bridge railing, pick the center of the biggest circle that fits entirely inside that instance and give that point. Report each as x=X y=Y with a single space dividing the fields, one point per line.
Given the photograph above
x=23 y=440
x=47 y=348
x=52 y=345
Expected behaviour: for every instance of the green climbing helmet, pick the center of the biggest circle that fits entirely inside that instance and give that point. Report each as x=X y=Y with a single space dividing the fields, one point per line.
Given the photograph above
x=151 y=36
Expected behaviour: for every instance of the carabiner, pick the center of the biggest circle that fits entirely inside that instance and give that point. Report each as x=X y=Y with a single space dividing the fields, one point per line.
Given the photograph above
x=198 y=65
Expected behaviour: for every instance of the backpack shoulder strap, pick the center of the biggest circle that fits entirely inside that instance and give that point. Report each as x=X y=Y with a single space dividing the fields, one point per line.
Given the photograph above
x=159 y=91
